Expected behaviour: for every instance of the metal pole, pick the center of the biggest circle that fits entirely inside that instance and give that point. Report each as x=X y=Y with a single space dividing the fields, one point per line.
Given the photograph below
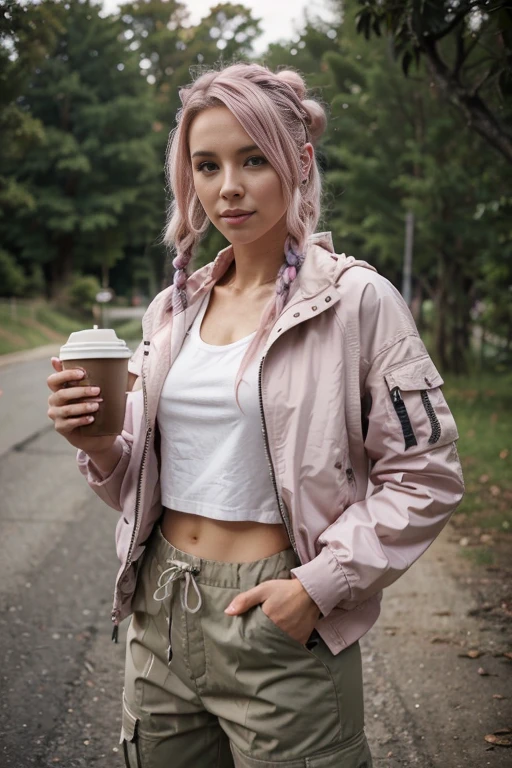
x=407 y=270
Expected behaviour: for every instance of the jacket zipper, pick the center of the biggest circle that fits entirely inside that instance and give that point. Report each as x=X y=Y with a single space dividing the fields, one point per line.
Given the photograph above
x=403 y=417
x=286 y=521
x=115 y=611
x=432 y=417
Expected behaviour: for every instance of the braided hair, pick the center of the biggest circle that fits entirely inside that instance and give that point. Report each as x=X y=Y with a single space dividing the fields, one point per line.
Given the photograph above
x=274 y=111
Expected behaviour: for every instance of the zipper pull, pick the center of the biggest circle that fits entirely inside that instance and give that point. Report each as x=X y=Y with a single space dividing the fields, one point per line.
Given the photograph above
x=403 y=417
x=115 y=629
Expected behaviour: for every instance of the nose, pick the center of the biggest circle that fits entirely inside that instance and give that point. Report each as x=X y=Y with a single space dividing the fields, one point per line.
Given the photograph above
x=231 y=185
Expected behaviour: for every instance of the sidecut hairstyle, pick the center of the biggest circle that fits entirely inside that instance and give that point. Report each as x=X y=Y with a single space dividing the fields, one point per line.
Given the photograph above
x=274 y=111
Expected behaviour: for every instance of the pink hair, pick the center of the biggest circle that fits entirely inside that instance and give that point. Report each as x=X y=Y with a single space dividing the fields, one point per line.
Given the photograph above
x=272 y=109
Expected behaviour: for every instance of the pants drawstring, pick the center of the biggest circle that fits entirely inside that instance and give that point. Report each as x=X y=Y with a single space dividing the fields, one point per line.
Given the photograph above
x=178 y=570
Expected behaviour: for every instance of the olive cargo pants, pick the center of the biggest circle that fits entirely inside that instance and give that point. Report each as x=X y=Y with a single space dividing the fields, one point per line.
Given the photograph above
x=208 y=690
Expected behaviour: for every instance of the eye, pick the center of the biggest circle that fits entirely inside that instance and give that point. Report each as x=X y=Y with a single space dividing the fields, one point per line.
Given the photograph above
x=202 y=166
x=261 y=160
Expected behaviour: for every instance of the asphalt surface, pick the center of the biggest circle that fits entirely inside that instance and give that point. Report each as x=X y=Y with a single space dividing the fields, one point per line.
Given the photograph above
x=61 y=677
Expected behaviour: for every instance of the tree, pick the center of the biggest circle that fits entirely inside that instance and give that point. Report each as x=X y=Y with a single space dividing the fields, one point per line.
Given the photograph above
x=171 y=53
x=27 y=35
x=89 y=175
x=467 y=45
x=392 y=147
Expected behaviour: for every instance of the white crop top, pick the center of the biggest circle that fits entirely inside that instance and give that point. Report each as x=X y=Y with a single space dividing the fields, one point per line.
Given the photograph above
x=213 y=456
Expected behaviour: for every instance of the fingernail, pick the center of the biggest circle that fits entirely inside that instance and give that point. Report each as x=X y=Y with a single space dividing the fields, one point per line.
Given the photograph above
x=80 y=374
x=230 y=609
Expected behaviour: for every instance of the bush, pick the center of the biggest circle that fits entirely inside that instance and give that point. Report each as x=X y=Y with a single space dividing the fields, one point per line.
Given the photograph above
x=34 y=282
x=80 y=293
x=12 y=277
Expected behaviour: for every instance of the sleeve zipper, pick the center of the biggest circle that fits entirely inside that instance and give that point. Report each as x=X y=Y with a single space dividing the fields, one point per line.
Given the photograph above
x=432 y=417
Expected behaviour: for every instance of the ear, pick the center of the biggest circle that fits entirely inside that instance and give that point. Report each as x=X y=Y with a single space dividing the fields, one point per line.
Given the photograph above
x=307 y=158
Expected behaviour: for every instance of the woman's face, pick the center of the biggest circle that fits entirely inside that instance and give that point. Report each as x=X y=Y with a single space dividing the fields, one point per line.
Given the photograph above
x=231 y=173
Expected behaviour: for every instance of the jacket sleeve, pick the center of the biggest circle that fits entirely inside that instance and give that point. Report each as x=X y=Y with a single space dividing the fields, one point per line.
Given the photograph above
x=415 y=480
x=108 y=487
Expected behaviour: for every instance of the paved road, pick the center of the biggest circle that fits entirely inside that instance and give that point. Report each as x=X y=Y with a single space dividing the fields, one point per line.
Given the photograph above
x=61 y=677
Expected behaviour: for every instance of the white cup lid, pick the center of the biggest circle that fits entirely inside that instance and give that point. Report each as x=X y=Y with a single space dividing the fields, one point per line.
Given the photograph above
x=94 y=343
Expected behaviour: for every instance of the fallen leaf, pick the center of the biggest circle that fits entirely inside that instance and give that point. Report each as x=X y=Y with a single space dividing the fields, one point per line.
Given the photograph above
x=472 y=654
x=508 y=654
x=464 y=541
x=483 y=478
x=438 y=639
x=498 y=696
x=442 y=613
x=496 y=740
x=481 y=671
x=495 y=490
x=504 y=453
x=500 y=731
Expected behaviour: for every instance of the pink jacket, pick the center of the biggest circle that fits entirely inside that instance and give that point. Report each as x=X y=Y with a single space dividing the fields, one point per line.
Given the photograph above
x=359 y=438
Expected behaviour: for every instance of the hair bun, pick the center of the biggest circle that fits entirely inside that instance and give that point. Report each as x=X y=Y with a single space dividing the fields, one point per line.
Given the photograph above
x=317 y=118
x=294 y=80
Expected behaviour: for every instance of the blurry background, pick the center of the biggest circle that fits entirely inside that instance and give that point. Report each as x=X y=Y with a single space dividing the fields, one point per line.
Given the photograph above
x=416 y=163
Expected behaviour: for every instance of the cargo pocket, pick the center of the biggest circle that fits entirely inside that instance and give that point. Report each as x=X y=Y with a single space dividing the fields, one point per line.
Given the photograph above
x=129 y=739
x=147 y=573
x=418 y=403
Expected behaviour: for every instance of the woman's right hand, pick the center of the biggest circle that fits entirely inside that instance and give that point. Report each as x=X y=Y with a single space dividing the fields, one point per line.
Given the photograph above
x=71 y=407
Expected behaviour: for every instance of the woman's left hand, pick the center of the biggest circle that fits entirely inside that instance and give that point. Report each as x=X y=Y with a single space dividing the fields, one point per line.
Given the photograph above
x=285 y=602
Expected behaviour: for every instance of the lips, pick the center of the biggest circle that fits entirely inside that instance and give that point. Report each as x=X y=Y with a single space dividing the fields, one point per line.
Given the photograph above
x=237 y=218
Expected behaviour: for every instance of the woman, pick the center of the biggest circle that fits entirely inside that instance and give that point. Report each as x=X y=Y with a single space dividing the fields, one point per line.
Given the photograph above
x=286 y=454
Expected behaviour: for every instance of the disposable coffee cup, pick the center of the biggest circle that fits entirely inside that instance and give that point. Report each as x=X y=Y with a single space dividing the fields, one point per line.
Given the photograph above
x=104 y=358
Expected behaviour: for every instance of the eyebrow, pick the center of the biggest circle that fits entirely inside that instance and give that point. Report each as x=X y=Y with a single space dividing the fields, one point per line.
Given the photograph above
x=203 y=153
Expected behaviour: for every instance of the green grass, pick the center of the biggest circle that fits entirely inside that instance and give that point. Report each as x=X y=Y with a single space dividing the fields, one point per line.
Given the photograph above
x=33 y=325
x=129 y=330
x=57 y=321
x=478 y=555
x=482 y=407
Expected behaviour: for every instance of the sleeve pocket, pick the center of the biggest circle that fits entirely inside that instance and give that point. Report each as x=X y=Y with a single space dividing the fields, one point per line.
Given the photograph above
x=418 y=403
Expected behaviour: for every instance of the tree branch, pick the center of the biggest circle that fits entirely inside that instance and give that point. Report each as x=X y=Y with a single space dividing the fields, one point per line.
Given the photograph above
x=472 y=106
x=461 y=55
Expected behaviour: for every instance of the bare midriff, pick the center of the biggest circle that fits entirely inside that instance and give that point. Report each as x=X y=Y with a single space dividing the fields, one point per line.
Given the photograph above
x=228 y=318
x=230 y=542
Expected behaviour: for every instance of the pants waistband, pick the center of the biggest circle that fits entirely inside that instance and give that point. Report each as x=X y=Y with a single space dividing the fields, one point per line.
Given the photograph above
x=231 y=575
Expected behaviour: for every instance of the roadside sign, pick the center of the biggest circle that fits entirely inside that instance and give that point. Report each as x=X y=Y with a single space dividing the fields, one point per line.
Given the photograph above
x=105 y=295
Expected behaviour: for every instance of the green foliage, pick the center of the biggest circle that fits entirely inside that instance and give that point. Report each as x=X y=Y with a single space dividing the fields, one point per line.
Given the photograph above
x=12 y=277
x=24 y=325
x=53 y=318
x=34 y=282
x=80 y=294
x=467 y=47
x=482 y=407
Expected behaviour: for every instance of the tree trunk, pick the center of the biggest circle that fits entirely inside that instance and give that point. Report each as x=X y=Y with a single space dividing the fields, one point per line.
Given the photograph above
x=62 y=266
x=452 y=325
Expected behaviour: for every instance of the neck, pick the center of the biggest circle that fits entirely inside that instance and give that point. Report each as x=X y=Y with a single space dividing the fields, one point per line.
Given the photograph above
x=256 y=264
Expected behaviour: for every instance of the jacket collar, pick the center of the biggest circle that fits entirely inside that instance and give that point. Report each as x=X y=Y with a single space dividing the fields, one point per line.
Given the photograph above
x=320 y=272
